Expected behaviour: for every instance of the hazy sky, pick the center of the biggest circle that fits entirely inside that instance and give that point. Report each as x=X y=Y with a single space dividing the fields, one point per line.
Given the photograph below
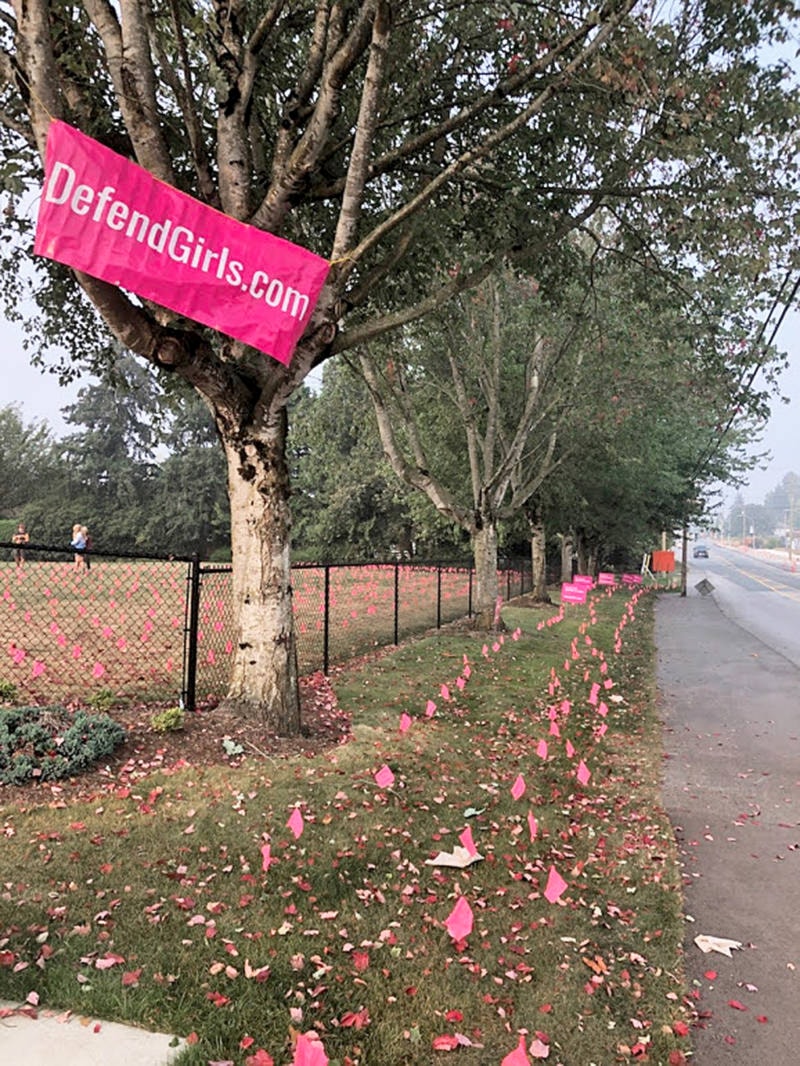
x=41 y=398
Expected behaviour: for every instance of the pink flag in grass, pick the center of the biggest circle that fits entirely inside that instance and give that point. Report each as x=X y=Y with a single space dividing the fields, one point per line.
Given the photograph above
x=518 y=788
x=601 y=729
x=38 y=668
x=18 y=655
x=583 y=773
x=460 y=682
x=384 y=778
x=541 y=749
x=533 y=826
x=569 y=748
x=554 y=731
x=308 y=1051
x=593 y=693
x=467 y=671
x=517 y=1057
x=602 y=709
x=555 y=887
x=296 y=823
x=108 y=217
x=266 y=857
x=430 y=709
x=445 y=692
x=467 y=841
x=459 y=923
x=405 y=722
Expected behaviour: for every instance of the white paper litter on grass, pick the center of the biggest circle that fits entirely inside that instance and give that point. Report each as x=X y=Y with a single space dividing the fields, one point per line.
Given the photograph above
x=458 y=857
x=716 y=943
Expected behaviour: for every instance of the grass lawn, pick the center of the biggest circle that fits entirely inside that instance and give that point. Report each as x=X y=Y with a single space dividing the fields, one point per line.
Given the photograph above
x=243 y=907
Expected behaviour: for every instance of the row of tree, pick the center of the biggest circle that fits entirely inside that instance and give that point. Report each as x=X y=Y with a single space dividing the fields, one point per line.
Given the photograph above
x=586 y=149
x=777 y=517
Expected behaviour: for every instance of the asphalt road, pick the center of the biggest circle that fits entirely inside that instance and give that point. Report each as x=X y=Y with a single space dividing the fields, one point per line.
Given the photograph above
x=731 y=711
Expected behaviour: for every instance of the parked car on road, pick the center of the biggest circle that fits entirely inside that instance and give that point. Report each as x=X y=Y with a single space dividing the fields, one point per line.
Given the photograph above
x=700 y=551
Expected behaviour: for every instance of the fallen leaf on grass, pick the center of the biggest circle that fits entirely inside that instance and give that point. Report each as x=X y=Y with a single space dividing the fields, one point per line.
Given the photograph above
x=448 y=1042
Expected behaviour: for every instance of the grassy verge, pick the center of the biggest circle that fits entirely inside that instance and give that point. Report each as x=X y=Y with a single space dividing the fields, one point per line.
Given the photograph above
x=154 y=907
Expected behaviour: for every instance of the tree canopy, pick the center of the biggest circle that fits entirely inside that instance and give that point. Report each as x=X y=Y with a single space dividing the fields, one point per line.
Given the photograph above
x=415 y=144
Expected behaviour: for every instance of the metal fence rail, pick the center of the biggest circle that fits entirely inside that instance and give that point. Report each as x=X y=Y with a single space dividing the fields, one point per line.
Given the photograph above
x=153 y=627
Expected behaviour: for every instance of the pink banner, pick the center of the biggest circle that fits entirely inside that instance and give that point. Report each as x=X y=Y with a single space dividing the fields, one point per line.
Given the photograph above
x=110 y=218
x=606 y=578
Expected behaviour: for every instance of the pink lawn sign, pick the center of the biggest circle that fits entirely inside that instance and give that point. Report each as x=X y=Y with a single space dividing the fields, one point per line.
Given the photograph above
x=631 y=579
x=572 y=593
x=110 y=218
x=583 y=579
x=606 y=578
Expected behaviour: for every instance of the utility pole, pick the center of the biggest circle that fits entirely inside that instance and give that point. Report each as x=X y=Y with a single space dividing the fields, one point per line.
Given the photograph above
x=791 y=530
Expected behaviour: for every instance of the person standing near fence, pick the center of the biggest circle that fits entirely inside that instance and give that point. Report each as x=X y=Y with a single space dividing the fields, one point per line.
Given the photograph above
x=20 y=537
x=87 y=560
x=79 y=543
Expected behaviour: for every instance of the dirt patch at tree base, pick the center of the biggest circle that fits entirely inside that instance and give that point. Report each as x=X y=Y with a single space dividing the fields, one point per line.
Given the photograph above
x=210 y=736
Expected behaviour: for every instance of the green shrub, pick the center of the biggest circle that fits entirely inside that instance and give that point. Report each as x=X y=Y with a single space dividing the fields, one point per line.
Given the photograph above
x=102 y=700
x=168 y=719
x=48 y=743
x=8 y=691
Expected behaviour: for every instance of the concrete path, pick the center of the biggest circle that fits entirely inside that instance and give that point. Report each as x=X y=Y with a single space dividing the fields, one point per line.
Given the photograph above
x=31 y=1037
x=731 y=709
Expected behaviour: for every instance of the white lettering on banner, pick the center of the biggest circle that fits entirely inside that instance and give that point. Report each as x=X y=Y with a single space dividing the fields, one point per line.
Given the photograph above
x=166 y=237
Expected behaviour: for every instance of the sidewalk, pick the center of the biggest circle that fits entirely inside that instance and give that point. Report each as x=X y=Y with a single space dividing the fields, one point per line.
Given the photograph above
x=41 y=1038
x=732 y=790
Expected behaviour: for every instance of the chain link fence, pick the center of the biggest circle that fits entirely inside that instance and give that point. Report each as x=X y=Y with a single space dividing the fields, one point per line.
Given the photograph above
x=82 y=626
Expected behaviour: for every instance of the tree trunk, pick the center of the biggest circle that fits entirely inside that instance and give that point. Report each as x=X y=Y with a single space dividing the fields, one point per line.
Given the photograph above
x=567 y=549
x=264 y=676
x=582 y=552
x=487 y=589
x=538 y=559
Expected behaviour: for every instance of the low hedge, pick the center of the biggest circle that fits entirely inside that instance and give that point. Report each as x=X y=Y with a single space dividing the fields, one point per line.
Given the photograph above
x=48 y=743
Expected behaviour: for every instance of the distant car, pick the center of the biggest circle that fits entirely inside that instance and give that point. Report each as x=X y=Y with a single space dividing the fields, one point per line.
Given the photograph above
x=700 y=551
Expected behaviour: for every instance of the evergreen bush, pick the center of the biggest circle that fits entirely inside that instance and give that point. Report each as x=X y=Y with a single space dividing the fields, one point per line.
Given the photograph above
x=48 y=743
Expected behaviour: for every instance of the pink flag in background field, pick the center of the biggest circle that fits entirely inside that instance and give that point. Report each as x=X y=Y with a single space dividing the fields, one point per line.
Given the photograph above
x=110 y=218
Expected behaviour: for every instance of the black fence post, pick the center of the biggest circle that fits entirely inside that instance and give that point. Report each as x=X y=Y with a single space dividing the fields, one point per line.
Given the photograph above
x=438 y=597
x=189 y=694
x=396 y=604
x=326 y=623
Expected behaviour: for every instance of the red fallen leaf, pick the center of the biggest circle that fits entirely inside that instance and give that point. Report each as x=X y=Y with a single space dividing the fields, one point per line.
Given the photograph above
x=261 y=1058
x=729 y=1039
x=217 y=998
x=680 y=1028
x=676 y=1058
x=546 y=1008
x=192 y=1038
x=710 y=975
x=761 y=1018
x=247 y=1042
x=454 y=1016
x=355 y=1019
x=736 y=1004
x=361 y=960
x=130 y=978
x=445 y=1042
